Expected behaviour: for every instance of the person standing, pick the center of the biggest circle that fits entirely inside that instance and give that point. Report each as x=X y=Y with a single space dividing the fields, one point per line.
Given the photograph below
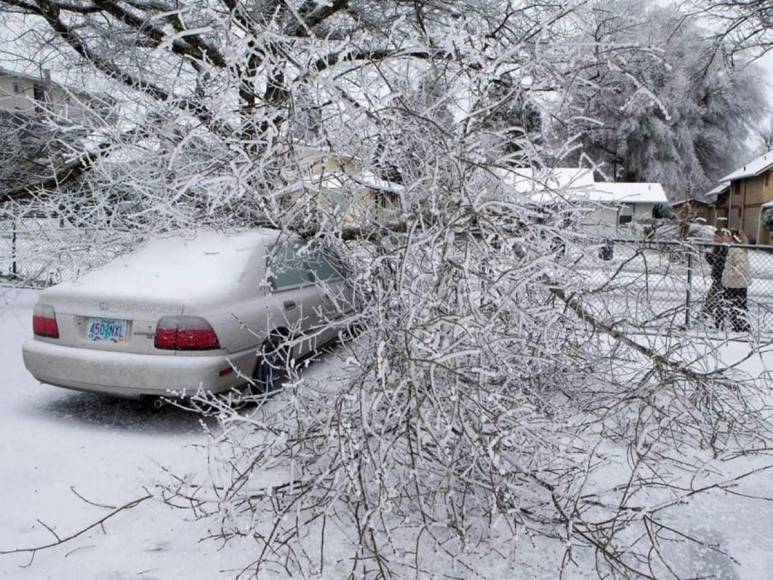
x=736 y=279
x=715 y=297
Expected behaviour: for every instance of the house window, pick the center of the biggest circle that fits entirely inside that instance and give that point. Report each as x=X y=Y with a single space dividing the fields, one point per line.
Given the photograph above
x=38 y=93
x=625 y=214
x=16 y=87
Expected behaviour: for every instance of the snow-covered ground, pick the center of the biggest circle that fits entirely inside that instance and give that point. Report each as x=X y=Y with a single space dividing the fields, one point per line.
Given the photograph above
x=651 y=288
x=54 y=443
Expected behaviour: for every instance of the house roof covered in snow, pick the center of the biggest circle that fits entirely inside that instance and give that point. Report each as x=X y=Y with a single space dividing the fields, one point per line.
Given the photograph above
x=628 y=192
x=322 y=169
x=718 y=190
x=548 y=184
x=708 y=198
x=711 y=197
x=341 y=180
x=4 y=72
x=752 y=169
x=45 y=80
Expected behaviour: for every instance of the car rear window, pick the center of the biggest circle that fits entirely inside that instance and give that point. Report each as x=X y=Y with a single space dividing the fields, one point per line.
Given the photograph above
x=286 y=268
x=324 y=265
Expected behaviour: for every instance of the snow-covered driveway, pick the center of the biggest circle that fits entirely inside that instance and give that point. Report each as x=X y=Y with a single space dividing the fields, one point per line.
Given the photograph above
x=55 y=442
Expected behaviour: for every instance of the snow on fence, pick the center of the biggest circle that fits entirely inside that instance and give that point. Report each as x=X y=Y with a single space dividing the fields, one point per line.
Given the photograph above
x=41 y=251
x=659 y=285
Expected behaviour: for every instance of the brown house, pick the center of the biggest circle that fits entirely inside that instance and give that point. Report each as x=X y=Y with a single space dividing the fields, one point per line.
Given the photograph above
x=694 y=210
x=741 y=196
x=710 y=209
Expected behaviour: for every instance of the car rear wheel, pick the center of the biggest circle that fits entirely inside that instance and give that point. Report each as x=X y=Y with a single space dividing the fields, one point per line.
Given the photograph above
x=271 y=367
x=351 y=332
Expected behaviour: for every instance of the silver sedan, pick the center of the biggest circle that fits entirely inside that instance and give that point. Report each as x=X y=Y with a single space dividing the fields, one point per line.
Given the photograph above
x=183 y=313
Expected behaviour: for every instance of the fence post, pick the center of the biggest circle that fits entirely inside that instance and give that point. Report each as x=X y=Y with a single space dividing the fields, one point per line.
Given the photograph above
x=688 y=297
x=13 y=249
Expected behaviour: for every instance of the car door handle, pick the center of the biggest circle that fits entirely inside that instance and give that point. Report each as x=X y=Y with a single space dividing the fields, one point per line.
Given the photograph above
x=289 y=305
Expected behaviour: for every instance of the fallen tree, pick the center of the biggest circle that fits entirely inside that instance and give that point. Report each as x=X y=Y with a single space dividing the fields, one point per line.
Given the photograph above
x=490 y=410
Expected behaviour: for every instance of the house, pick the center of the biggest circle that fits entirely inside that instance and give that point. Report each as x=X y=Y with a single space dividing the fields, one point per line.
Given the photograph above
x=705 y=209
x=741 y=195
x=41 y=122
x=627 y=202
x=613 y=204
x=339 y=186
x=32 y=96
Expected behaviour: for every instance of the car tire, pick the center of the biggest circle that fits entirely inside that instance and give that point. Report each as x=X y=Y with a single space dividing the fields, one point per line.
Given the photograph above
x=270 y=372
x=353 y=331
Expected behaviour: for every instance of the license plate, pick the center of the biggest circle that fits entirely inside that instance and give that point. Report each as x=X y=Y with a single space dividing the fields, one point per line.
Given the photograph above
x=107 y=330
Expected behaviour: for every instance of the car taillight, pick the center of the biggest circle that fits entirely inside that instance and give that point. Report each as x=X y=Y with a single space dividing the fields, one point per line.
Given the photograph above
x=44 y=321
x=185 y=333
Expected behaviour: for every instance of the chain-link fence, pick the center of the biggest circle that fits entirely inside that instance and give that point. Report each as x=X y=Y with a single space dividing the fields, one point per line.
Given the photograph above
x=41 y=251
x=657 y=287
x=660 y=286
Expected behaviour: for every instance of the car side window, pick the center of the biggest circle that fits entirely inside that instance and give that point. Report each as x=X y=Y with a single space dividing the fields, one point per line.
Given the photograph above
x=324 y=265
x=286 y=267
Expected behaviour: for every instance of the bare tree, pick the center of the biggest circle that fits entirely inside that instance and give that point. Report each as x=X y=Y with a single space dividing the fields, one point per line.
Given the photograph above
x=741 y=25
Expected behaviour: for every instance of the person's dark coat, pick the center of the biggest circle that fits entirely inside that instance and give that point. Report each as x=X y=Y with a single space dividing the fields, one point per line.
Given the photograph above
x=717 y=258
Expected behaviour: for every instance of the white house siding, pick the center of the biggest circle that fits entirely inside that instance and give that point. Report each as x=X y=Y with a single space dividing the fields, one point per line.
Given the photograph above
x=601 y=222
x=17 y=94
x=642 y=210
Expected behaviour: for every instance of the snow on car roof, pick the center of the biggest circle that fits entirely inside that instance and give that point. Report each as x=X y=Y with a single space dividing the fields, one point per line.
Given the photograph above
x=191 y=266
x=208 y=242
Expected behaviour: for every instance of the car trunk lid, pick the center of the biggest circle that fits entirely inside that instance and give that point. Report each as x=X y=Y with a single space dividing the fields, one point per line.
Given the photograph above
x=117 y=307
x=102 y=322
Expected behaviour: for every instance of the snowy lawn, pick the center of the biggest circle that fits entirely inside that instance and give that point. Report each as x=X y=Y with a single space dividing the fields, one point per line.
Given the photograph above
x=54 y=443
